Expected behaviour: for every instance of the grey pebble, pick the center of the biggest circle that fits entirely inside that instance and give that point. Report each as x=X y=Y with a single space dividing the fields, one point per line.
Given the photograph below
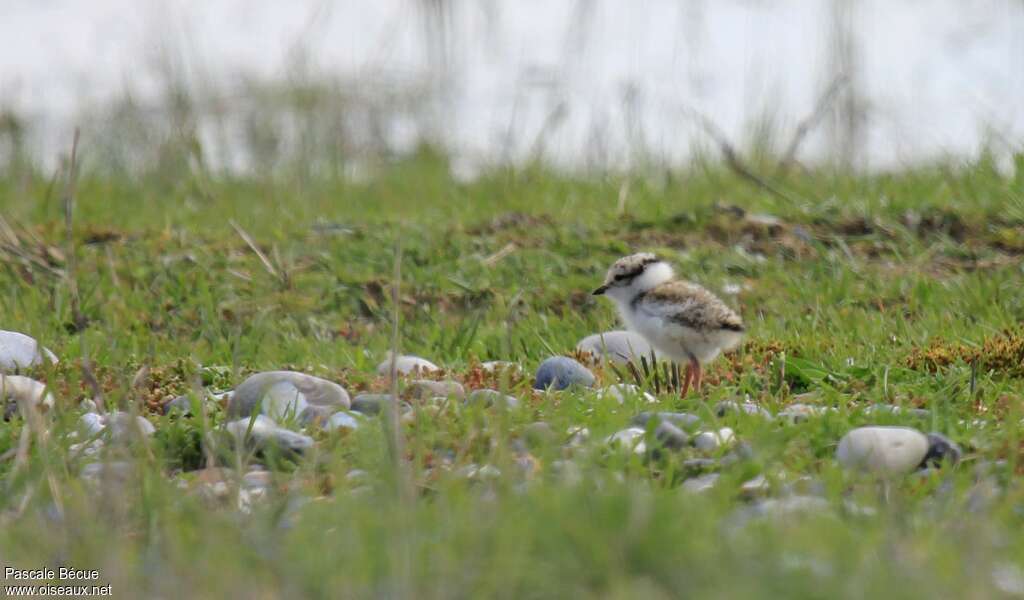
x=342 y=420
x=19 y=351
x=701 y=483
x=670 y=436
x=493 y=398
x=426 y=388
x=560 y=372
x=709 y=441
x=406 y=365
x=749 y=408
x=266 y=432
x=371 y=404
x=285 y=392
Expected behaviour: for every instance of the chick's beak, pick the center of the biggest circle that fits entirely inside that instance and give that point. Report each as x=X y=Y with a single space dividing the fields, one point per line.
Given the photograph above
x=601 y=290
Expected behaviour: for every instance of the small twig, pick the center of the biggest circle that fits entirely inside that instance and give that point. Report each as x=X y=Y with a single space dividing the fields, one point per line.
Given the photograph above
x=70 y=272
x=252 y=246
x=493 y=259
x=94 y=385
x=732 y=157
x=812 y=120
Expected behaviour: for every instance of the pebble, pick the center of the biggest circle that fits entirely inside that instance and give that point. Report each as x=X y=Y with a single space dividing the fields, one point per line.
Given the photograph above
x=622 y=391
x=123 y=426
x=578 y=435
x=699 y=464
x=492 y=398
x=265 y=432
x=285 y=393
x=15 y=389
x=560 y=372
x=183 y=404
x=426 y=388
x=631 y=438
x=371 y=404
x=757 y=486
x=118 y=425
x=342 y=420
x=885 y=451
x=684 y=420
x=722 y=408
x=617 y=346
x=538 y=433
x=406 y=365
x=313 y=414
x=19 y=351
x=701 y=483
x=670 y=436
x=708 y=441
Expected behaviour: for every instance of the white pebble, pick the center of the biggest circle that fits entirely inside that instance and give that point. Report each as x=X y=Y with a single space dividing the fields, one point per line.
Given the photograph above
x=885 y=451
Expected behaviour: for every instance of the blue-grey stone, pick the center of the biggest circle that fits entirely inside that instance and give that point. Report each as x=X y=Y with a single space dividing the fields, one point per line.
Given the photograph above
x=560 y=372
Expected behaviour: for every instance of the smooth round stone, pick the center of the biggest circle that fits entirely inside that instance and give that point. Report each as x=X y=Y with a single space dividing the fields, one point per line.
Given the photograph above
x=941 y=449
x=265 y=432
x=282 y=393
x=123 y=426
x=885 y=451
x=708 y=441
x=493 y=398
x=631 y=438
x=16 y=389
x=183 y=404
x=342 y=421
x=426 y=388
x=19 y=351
x=312 y=414
x=749 y=408
x=560 y=372
x=407 y=364
x=619 y=346
x=538 y=433
x=670 y=436
x=701 y=483
x=620 y=392
x=757 y=486
x=679 y=419
x=371 y=404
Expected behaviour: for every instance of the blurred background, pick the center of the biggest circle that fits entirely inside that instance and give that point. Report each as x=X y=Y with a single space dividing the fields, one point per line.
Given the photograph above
x=339 y=86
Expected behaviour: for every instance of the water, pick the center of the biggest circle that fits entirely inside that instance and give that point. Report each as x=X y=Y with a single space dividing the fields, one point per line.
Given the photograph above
x=586 y=83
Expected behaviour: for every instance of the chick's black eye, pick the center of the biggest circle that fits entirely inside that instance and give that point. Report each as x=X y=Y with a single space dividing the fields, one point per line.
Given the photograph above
x=618 y=277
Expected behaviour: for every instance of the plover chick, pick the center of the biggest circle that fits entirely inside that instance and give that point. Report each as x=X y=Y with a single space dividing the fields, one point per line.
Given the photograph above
x=682 y=320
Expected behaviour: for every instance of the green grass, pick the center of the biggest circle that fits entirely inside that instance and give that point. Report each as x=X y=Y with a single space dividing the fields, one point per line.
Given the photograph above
x=863 y=274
